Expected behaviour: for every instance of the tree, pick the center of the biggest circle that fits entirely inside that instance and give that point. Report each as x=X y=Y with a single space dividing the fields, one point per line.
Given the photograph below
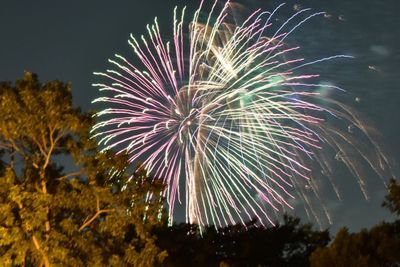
x=378 y=246
x=392 y=200
x=62 y=202
x=286 y=244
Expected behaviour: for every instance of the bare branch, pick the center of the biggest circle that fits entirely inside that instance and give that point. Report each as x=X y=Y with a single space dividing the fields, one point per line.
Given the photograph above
x=87 y=222
x=17 y=148
x=60 y=135
x=44 y=256
x=40 y=147
x=97 y=203
x=53 y=143
x=94 y=218
x=69 y=175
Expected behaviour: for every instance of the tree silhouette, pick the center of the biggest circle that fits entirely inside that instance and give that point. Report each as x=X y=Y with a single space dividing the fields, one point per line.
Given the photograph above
x=392 y=200
x=286 y=244
x=378 y=246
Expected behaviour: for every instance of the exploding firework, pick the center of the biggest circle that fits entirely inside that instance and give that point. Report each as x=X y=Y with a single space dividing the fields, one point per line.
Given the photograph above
x=228 y=116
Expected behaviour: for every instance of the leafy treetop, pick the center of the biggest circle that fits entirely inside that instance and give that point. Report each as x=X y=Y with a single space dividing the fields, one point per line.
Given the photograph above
x=62 y=202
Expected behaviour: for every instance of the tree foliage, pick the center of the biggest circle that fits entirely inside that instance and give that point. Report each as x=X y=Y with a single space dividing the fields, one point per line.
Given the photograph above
x=62 y=202
x=378 y=246
x=392 y=200
x=286 y=244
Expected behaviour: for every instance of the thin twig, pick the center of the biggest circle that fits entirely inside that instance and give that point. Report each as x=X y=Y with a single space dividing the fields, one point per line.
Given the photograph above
x=69 y=175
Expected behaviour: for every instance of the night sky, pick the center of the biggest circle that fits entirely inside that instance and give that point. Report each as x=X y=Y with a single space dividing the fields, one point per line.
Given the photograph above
x=69 y=40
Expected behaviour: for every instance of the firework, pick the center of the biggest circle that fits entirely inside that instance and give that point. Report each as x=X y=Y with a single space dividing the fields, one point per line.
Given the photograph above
x=229 y=117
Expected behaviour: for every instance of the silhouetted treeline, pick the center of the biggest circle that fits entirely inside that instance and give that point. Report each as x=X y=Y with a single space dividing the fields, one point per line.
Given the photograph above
x=286 y=244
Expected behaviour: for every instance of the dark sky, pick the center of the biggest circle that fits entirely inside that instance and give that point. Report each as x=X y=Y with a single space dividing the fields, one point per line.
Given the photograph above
x=68 y=40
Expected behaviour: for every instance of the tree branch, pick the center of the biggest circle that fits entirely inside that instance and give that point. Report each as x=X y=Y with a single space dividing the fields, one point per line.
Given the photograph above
x=39 y=146
x=94 y=217
x=69 y=175
x=44 y=256
x=17 y=148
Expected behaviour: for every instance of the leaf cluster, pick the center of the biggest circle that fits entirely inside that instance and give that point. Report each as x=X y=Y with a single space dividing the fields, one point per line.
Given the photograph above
x=62 y=202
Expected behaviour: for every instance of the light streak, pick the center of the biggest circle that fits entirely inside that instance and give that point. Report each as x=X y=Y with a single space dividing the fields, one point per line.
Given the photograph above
x=228 y=112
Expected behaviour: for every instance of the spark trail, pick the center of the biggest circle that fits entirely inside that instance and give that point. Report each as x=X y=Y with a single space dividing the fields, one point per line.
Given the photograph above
x=228 y=112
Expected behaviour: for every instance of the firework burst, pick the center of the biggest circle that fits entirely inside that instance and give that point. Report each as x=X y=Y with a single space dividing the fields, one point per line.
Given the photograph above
x=228 y=116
